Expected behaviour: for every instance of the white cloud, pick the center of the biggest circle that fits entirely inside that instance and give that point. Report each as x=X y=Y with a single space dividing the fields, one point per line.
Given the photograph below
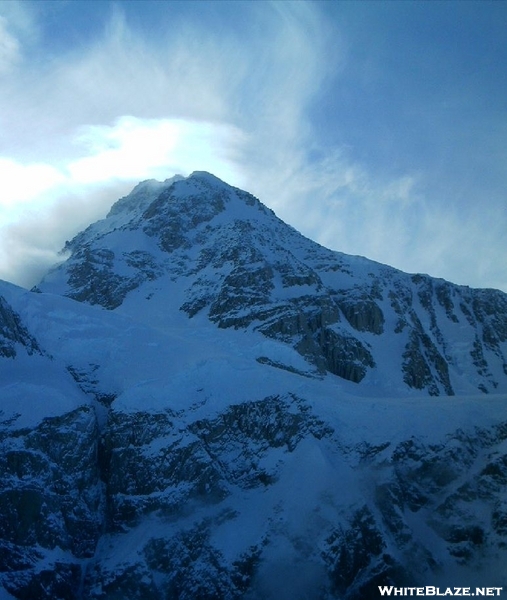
x=134 y=149
x=24 y=183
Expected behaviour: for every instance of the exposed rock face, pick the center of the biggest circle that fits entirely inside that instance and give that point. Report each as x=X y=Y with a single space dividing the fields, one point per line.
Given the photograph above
x=358 y=560
x=50 y=501
x=13 y=333
x=141 y=511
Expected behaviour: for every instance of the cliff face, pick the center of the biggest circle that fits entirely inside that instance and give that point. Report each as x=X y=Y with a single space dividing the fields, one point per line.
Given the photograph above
x=201 y=403
x=13 y=333
x=248 y=500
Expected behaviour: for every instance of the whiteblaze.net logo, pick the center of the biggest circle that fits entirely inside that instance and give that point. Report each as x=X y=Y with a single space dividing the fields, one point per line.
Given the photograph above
x=430 y=590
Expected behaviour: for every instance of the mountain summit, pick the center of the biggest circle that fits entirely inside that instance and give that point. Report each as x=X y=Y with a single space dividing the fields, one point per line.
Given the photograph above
x=201 y=403
x=200 y=246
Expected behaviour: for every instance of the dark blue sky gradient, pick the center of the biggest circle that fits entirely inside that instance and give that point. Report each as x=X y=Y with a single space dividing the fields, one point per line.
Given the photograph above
x=425 y=86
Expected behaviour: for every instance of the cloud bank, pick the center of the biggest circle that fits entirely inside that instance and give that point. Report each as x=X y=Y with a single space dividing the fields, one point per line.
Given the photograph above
x=235 y=91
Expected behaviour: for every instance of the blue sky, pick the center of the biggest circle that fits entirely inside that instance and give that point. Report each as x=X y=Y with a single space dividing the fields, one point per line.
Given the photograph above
x=375 y=128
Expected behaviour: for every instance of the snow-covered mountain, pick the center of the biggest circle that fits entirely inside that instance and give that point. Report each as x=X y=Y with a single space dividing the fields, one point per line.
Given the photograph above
x=199 y=402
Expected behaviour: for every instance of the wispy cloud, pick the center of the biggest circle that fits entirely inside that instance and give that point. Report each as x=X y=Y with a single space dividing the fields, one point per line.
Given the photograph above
x=9 y=48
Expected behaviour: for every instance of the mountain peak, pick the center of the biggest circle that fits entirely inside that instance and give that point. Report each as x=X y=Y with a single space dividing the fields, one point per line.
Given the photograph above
x=202 y=248
x=244 y=378
x=207 y=177
x=142 y=195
